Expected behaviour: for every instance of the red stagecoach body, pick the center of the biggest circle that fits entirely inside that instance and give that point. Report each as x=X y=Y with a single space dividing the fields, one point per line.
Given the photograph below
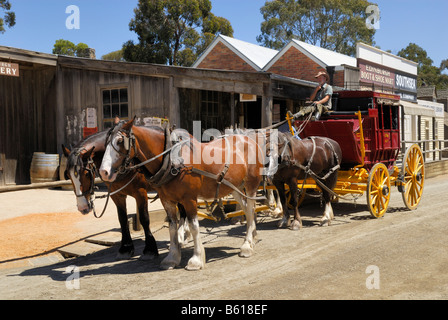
x=380 y=124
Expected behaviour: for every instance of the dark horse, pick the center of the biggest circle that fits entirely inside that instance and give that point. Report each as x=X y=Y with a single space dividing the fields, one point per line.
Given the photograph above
x=315 y=157
x=206 y=170
x=81 y=169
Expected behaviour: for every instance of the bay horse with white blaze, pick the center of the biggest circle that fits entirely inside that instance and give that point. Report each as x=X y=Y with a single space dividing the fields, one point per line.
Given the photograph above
x=315 y=157
x=82 y=164
x=219 y=168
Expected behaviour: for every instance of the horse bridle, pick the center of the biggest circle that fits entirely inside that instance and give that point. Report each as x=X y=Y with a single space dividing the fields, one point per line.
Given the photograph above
x=128 y=144
x=90 y=167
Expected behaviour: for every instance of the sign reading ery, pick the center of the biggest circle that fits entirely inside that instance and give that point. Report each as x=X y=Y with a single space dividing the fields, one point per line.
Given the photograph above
x=9 y=69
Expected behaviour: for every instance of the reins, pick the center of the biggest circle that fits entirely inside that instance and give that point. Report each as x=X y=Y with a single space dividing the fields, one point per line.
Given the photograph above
x=109 y=194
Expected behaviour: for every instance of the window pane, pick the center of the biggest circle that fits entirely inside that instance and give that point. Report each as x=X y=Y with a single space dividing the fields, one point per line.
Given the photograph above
x=123 y=95
x=115 y=110
x=106 y=96
x=115 y=96
x=124 y=110
x=106 y=111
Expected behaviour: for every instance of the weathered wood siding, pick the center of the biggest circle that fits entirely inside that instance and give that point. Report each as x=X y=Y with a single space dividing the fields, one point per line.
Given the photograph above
x=27 y=111
x=82 y=89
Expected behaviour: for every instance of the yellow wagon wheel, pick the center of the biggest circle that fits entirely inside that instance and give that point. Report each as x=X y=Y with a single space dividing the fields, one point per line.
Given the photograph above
x=413 y=176
x=378 y=190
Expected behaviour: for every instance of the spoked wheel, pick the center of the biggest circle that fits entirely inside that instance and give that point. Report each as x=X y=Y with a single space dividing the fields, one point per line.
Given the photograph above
x=378 y=190
x=413 y=171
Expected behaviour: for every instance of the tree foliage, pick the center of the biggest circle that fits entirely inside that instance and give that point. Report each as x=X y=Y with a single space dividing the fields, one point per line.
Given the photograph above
x=114 y=56
x=9 y=19
x=168 y=31
x=332 y=24
x=68 y=48
x=428 y=74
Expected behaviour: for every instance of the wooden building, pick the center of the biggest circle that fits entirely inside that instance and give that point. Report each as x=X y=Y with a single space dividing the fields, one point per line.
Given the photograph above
x=58 y=99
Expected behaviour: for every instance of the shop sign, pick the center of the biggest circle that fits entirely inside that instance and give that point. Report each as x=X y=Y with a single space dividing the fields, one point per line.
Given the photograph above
x=9 y=69
x=407 y=96
x=247 y=97
x=376 y=75
x=405 y=83
x=152 y=121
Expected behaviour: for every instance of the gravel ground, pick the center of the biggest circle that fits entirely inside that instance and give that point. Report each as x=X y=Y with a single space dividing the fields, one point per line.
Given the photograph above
x=400 y=256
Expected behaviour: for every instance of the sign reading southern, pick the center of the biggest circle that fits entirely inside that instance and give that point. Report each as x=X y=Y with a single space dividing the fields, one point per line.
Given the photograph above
x=9 y=69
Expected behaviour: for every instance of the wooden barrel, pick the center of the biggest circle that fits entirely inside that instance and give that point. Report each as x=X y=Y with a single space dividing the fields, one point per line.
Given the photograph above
x=44 y=167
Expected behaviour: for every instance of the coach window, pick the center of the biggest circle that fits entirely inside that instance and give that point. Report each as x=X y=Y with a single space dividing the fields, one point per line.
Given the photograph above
x=115 y=103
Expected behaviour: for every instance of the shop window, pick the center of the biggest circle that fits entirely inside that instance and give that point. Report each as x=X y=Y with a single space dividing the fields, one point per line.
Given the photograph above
x=210 y=109
x=115 y=103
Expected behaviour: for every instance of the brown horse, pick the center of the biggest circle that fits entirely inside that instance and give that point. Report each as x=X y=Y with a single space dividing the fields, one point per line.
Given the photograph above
x=81 y=169
x=204 y=170
x=315 y=157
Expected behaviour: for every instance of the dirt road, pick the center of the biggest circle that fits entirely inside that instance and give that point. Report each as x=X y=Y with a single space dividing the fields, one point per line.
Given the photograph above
x=400 y=256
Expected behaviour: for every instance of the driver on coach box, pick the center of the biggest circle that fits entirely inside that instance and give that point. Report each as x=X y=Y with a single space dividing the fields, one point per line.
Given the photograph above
x=320 y=98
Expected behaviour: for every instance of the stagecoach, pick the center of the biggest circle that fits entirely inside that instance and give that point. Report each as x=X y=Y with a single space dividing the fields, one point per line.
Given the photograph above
x=366 y=125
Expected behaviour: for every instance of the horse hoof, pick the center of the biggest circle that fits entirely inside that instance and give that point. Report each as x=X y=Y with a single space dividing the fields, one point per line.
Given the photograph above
x=325 y=223
x=194 y=264
x=167 y=265
x=124 y=255
x=246 y=251
x=283 y=223
x=296 y=225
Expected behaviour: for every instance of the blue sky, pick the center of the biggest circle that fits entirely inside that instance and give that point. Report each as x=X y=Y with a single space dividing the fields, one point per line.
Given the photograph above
x=104 y=24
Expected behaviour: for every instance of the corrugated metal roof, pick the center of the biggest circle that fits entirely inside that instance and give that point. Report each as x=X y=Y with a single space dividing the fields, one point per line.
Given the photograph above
x=258 y=55
x=327 y=57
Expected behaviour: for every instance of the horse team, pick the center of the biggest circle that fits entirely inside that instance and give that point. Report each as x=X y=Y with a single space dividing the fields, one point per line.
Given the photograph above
x=133 y=160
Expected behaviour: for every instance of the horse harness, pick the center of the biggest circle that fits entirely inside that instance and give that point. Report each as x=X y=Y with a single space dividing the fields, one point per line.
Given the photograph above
x=168 y=170
x=288 y=153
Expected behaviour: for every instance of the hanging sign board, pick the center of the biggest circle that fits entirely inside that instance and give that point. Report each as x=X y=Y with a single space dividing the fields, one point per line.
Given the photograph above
x=91 y=118
x=9 y=69
x=248 y=97
x=152 y=121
